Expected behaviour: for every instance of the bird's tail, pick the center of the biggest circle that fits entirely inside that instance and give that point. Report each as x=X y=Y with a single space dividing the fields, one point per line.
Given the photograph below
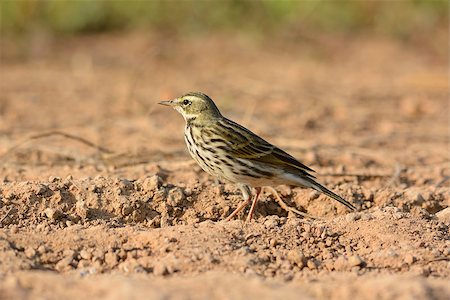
x=317 y=186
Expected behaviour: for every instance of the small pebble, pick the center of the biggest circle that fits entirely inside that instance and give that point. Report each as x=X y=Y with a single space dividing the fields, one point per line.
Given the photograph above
x=84 y=254
x=297 y=257
x=368 y=195
x=314 y=195
x=273 y=242
x=176 y=196
x=355 y=261
x=160 y=269
x=52 y=214
x=312 y=264
x=111 y=259
x=351 y=217
x=152 y=183
x=83 y=264
x=340 y=264
x=69 y=253
x=410 y=259
x=271 y=223
x=42 y=249
x=81 y=209
x=64 y=264
x=30 y=252
x=125 y=184
x=54 y=179
x=366 y=217
x=98 y=254
x=444 y=215
x=188 y=192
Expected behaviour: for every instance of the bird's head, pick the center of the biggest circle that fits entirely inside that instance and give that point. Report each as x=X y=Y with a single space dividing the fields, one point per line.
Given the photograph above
x=194 y=106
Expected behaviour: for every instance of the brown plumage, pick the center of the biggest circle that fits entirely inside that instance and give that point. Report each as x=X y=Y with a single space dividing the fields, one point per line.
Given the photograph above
x=230 y=151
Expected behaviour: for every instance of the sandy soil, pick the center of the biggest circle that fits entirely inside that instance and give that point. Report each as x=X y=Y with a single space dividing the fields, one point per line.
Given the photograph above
x=139 y=219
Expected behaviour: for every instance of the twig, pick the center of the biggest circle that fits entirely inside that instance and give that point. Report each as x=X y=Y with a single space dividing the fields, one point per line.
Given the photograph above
x=444 y=180
x=63 y=134
x=395 y=176
x=6 y=215
x=443 y=258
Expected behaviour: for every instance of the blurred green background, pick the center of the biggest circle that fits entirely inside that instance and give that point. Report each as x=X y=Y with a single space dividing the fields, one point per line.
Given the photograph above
x=405 y=20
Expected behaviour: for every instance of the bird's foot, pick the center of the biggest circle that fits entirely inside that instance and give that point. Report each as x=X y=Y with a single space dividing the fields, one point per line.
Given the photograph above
x=285 y=206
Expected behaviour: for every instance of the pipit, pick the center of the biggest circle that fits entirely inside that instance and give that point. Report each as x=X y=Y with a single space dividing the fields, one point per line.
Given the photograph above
x=231 y=152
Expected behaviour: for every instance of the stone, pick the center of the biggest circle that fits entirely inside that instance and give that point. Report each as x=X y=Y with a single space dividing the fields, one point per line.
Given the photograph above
x=52 y=214
x=410 y=259
x=111 y=259
x=54 y=179
x=152 y=183
x=64 y=264
x=297 y=257
x=160 y=269
x=98 y=255
x=84 y=254
x=444 y=215
x=273 y=242
x=69 y=253
x=42 y=249
x=176 y=196
x=340 y=264
x=271 y=222
x=81 y=209
x=30 y=252
x=82 y=264
x=312 y=264
x=355 y=261
x=351 y=217
x=313 y=195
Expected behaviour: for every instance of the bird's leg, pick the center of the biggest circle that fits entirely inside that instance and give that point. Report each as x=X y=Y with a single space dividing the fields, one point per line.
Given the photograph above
x=246 y=194
x=238 y=209
x=284 y=205
x=255 y=200
x=218 y=185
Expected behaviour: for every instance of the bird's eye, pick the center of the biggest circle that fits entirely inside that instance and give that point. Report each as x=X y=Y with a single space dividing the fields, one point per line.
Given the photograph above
x=186 y=102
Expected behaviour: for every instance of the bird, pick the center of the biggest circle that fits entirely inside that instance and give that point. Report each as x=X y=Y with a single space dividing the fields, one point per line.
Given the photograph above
x=231 y=152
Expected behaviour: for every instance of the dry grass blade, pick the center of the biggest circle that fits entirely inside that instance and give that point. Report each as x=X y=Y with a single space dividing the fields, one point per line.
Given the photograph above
x=6 y=215
x=397 y=172
x=53 y=133
x=444 y=180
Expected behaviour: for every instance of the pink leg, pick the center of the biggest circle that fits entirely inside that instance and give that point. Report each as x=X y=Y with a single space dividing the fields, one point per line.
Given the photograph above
x=238 y=209
x=246 y=194
x=255 y=200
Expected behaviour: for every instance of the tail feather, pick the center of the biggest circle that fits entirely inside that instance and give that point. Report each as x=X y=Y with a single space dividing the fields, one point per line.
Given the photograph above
x=317 y=186
x=309 y=182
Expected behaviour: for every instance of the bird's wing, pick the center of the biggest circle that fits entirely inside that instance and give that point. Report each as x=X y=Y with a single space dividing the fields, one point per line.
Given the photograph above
x=242 y=143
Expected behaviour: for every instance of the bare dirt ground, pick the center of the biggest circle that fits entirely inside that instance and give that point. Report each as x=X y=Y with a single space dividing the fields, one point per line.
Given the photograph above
x=140 y=219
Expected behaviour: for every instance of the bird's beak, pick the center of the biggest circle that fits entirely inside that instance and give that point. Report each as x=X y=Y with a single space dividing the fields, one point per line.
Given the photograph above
x=168 y=103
